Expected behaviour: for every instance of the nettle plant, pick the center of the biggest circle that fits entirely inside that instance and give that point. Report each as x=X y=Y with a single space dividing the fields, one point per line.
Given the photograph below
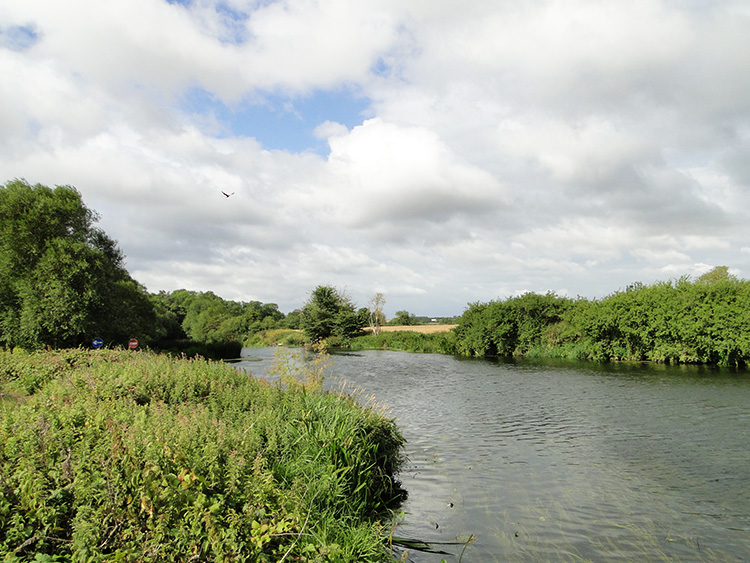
x=119 y=455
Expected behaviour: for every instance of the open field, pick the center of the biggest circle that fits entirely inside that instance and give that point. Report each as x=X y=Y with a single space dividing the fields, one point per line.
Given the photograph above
x=424 y=329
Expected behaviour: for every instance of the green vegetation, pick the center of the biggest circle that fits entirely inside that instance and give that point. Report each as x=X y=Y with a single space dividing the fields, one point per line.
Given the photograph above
x=703 y=321
x=205 y=317
x=331 y=313
x=130 y=456
x=437 y=343
x=276 y=337
x=62 y=280
x=403 y=318
x=62 y=283
x=202 y=323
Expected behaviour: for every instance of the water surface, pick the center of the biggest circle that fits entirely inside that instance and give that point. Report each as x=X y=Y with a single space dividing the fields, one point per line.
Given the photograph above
x=564 y=462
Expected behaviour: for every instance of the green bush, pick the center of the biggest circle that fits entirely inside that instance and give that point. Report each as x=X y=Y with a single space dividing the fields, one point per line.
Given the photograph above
x=120 y=455
x=705 y=321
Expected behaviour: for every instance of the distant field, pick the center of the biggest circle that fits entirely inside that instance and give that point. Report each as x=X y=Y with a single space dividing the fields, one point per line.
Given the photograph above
x=424 y=329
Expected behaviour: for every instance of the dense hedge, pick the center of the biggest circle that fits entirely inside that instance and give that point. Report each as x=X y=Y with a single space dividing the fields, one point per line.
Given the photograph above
x=128 y=456
x=680 y=321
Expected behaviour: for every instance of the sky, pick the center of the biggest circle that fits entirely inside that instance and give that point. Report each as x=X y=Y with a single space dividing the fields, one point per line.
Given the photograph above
x=439 y=152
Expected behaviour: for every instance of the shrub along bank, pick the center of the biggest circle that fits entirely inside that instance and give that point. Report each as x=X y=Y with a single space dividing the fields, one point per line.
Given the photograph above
x=705 y=321
x=130 y=456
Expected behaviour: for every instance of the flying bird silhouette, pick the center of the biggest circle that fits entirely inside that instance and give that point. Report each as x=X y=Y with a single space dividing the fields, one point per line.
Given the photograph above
x=228 y=195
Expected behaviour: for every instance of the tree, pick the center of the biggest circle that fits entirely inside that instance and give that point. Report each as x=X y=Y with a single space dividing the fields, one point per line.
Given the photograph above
x=293 y=320
x=719 y=273
x=377 y=318
x=330 y=312
x=403 y=318
x=62 y=280
x=207 y=318
x=169 y=316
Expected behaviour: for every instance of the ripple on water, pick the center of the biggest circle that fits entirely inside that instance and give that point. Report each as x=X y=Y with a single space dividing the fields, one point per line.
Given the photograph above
x=557 y=463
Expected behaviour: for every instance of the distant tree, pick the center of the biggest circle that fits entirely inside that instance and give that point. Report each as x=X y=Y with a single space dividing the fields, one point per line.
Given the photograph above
x=293 y=320
x=204 y=313
x=169 y=315
x=330 y=312
x=719 y=273
x=403 y=318
x=376 y=316
x=62 y=281
x=207 y=318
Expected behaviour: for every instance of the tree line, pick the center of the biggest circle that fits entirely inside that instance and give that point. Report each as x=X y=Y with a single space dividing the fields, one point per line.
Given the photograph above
x=63 y=282
x=61 y=278
x=704 y=321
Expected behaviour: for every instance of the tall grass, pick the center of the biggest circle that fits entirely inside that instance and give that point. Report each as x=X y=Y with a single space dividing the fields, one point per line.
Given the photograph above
x=128 y=456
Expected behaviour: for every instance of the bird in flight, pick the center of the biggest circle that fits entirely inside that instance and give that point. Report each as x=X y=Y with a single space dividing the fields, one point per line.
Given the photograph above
x=228 y=195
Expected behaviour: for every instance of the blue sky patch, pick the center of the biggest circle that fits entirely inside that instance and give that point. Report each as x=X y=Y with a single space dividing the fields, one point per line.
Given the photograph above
x=18 y=37
x=280 y=122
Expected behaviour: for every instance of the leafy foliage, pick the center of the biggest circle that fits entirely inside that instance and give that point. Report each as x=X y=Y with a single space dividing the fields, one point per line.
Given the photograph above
x=510 y=327
x=403 y=318
x=190 y=318
x=405 y=341
x=62 y=280
x=329 y=312
x=706 y=321
x=118 y=455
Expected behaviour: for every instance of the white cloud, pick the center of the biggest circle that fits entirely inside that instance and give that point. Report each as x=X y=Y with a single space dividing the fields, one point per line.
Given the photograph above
x=329 y=129
x=384 y=173
x=582 y=144
x=588 y=152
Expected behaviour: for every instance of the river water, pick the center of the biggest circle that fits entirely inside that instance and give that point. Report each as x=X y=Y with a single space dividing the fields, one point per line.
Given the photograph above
x=563 y=461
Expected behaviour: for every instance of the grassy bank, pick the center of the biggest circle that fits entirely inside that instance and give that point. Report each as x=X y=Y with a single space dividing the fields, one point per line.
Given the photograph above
x=128 y=456
x=424 y=329
x=431 y=339
x=405 y=341
x=276 y=337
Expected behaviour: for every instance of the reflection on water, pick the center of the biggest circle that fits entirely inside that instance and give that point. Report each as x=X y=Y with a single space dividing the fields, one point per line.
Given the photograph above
x=550 y=462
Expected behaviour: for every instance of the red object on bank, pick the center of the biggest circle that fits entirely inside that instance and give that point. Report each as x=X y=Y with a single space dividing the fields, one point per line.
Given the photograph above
x=133 y=343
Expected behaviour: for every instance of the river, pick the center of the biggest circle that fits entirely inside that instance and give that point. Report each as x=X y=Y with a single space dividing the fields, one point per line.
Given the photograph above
x=563 y=461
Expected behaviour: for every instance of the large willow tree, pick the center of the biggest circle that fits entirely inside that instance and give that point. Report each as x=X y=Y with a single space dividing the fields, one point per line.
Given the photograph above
x=62 y=280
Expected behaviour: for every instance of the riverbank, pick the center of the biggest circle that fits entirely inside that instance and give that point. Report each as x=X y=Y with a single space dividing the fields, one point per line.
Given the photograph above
x=436 y=339
x=435 y=342
x=134 y=456
x=423 y=329
x=565 y=460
